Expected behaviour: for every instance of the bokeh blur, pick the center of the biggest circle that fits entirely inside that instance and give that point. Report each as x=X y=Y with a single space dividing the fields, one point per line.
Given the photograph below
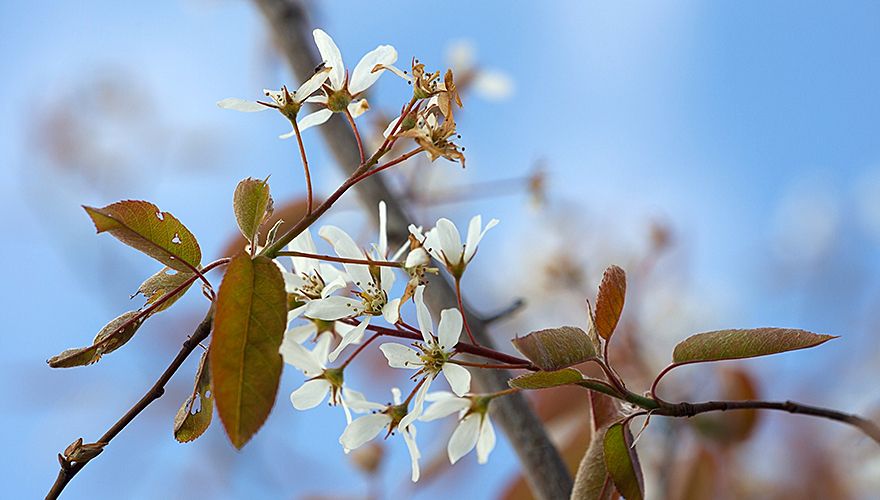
x=725 y=154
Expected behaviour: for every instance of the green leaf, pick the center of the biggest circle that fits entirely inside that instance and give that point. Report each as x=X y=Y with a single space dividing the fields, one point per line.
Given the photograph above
x=249 y=325
x=592 y=481
x=113 y=336
x=191 y=422
x=252 y=204
x=141 y=225
x=156 y=286
x=737 y=344
x=622 y=463
x=609 y=302
x=545 y=380
x=556 y=348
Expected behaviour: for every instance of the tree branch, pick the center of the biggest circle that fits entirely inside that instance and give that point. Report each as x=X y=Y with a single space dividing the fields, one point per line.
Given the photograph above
x=70 y=469
x=690 y=409
x=546 y=473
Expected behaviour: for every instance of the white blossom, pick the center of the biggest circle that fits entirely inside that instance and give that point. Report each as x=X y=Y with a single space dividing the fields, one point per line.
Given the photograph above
x=283 y=100
x=434 y=355
x=443 y=242
x=391 y=417
x=474 y=430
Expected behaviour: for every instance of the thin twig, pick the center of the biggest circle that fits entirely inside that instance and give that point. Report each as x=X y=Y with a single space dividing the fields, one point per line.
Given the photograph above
x=343 y=260
x=201 y=333
x=305 y=162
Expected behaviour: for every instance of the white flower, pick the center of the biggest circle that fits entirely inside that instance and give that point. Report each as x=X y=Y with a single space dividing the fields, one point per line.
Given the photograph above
x=311 y=279
x=285 y=102
x=372 y=300
x=323 y=380
x=443 y=242
x=434 y=355
x=391 y=417
x=340 y=95
x=474 y=427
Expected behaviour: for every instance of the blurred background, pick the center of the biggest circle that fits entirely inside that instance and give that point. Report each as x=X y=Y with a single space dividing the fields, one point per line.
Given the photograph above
x=725 y=154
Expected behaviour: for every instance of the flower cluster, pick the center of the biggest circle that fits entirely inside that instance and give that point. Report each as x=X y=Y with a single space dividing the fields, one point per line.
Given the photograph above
x=335 y=299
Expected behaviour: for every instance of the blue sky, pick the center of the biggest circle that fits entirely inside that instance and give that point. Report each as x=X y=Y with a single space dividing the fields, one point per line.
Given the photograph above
x=751 y=126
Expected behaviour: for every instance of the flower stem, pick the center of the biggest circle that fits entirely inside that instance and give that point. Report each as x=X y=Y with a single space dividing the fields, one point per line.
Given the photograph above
x=344 y=260
x=305 y=162
x=357 y=136
x=467 y=326
x=415 y=389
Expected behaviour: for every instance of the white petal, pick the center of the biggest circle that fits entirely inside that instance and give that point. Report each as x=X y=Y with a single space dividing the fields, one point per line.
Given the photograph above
x=418 y=403
x=363 y=429
x=354 y=336
x=363 y=76
x=345 y=247
x=318 y=99
x=358 y=403
x=426 y=323
x=310 y=394
x=304 y=243
x=474 y=236
x=338 y=283
x=357 y=108
x=486 y=441
x=391 y=311
x=333 y=308
x=395 y=395
x=459 y=378
x=331 y=56
x=464 y=438
x=449 y=329
x=300 y=358
x=288 y=135
x=292 y=282
x=311 y=85
x=383 y=230
x=416 y=258
x=409 y=437
x=321 y=351
x=296 y=313
x=399 y=72
x=300 y=334
x=450 y=240
x=312 y=119
x=401 y=356
x=241 y=105
x=344 y=402
x=445 y=407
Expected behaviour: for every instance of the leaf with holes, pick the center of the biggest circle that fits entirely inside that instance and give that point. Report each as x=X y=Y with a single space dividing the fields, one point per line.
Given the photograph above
x=191 y=422
x=737 y=344
x=609 y=302
x=545 y=380
x=252 y=204
x=141 y=225
x=156 y=286
x=622 y=462
x=249 y=324
x=113 y=336
x=556 y=348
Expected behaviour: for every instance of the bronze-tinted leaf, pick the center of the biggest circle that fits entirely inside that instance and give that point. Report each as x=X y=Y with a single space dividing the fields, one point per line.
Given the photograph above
x=252 y=204
x=249 y=325
x=609 y=302
x=156 y=286
x=113 y=336
x=290 y=213
x=592 y=481
x=737 y=344
x=622 y=462
x=141 y=225
x=191 y=422
x=556 y=348
x=544 y=380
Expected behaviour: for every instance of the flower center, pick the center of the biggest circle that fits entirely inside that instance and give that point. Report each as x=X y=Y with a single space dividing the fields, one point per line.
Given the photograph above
x=432 y=356
x=338 y=101
x=312 y=287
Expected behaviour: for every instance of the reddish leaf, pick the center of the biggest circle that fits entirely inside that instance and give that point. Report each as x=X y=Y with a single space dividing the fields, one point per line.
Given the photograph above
x=190 y=423
x=737 y=344
x=113 y=336
x=290 y=213
x=556 y=348
x=141 y=225
x=249 y=324
x=156 y=286
x=609 y=302
x=592 y=481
